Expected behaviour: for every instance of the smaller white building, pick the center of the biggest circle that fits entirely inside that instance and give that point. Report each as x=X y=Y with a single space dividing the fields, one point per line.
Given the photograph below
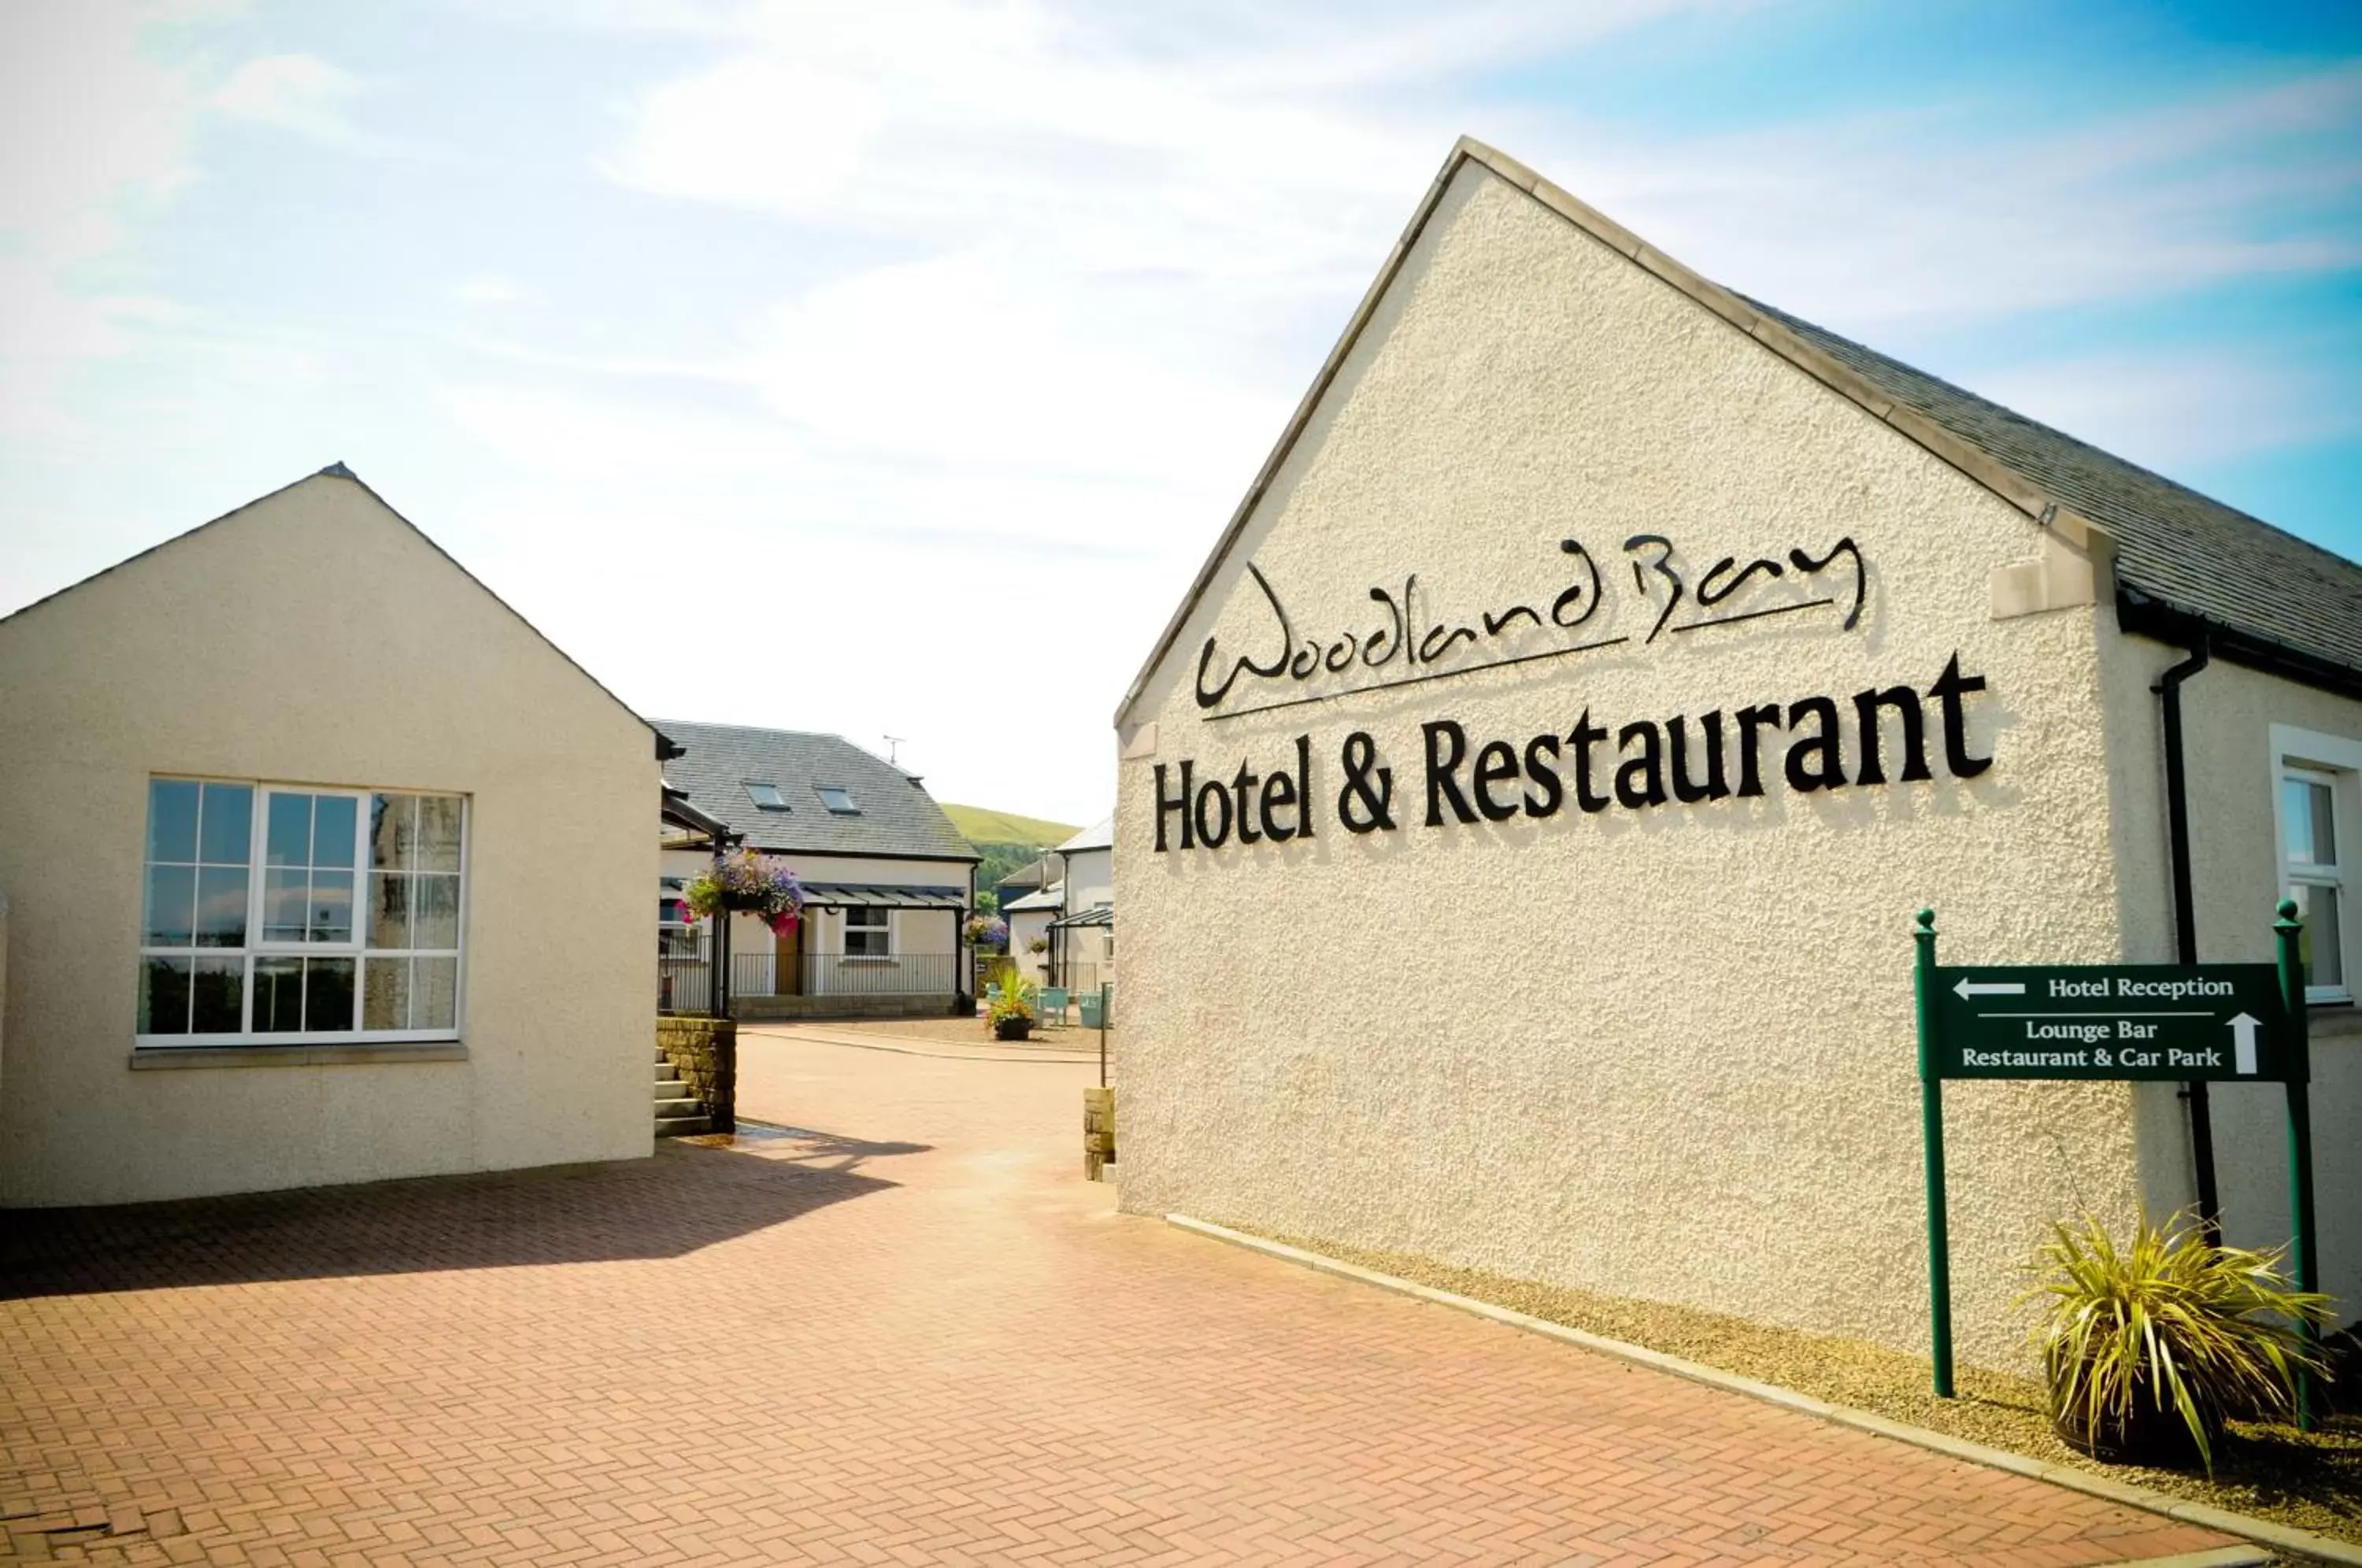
x=887 y=879
x=1030 y=919
x=1082 y=937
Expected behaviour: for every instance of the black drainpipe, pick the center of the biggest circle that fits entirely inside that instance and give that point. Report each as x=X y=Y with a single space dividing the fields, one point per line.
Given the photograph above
x=2185 y=920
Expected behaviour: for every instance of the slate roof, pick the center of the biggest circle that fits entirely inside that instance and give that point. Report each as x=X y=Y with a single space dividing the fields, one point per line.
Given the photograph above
x=1100 y=834
x=2187 y=549
x=2185 y=563
x=898 y=816
x=1053 y=896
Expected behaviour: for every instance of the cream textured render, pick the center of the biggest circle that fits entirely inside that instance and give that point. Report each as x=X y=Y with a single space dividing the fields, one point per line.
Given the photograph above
x=315 y=637
x=1667 y=1053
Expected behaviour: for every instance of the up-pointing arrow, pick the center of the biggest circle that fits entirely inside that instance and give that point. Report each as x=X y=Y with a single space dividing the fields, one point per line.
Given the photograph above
x=2243 y=1042
x=1967 y=987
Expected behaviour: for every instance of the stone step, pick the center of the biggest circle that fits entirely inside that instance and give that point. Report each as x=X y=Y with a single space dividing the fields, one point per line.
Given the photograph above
x=680 y=1106
x=683 y=1126
x=672 y=1088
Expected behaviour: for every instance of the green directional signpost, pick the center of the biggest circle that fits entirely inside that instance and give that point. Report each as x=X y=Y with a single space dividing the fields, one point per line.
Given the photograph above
x=2108 y=1020
x=2177 y=1022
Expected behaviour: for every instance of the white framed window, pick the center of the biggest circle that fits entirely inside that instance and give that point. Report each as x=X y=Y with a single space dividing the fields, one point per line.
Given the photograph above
x=2316 y=807
x=677 y=937
x=281 y=914
x=869 y=934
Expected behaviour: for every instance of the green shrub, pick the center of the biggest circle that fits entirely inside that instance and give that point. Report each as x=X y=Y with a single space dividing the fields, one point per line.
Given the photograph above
x=2167 y=1326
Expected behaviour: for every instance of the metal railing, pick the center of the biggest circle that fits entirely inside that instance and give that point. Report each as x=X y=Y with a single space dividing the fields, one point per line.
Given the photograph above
x=685 y=984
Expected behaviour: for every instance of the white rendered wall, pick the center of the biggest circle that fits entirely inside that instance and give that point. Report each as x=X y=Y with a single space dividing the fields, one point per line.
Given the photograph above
x=313 y=637
x=1669 y=1053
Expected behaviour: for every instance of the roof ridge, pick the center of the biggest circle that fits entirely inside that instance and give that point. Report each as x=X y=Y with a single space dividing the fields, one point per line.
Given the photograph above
x=1793 y=320
x=340 y=472
x=2015 y=478
x=759 y=730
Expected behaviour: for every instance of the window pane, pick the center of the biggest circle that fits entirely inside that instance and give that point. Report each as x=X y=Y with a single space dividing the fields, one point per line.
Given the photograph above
x=2320 y=947
x=220 y=992
x=278 y=995
x=164 y=996
x=287 y=836
x=285 y=895
x=435 y=993
x=435 y=911
x=333 y=820
x=392 y=826
x=332 y=906
x=229 y=826
x=438 y=832
x=221 y=907
x=2324 y=824
x=388 y=921
x=171 y=820
x=170 y=919
x=327 y=993
x=385 y=993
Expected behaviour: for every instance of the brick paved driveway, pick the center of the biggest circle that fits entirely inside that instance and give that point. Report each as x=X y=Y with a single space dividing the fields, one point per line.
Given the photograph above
x=919 y=1339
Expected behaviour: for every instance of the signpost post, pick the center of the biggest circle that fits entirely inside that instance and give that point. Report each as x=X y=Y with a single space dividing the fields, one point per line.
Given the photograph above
x=2176 y=1023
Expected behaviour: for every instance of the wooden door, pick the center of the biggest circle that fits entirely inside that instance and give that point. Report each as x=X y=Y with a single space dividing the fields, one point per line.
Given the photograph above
x=788 y=959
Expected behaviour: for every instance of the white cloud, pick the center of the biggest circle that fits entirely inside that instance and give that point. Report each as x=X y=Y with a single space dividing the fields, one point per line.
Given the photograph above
x=292 y=92
x=1920 y=218
x=90 y=123
x=2175 y=412
x=488 y=288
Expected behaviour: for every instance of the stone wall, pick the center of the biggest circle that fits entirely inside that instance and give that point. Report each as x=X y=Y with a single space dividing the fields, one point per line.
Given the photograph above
x=705 y=1051
x=936 y=1004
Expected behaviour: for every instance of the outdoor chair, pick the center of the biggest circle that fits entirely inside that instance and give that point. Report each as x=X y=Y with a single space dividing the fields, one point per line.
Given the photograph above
x=1054 y=1001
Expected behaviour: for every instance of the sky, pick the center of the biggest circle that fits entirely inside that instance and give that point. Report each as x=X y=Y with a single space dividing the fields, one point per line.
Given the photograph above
x=888 y=368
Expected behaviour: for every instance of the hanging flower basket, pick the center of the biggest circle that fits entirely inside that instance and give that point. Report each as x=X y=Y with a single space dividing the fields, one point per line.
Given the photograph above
x=743 y=882
x=987 y=931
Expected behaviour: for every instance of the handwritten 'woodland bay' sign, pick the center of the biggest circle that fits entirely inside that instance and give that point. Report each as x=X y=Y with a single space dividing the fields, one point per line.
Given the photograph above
x=1648 y=765
x=1406 y=647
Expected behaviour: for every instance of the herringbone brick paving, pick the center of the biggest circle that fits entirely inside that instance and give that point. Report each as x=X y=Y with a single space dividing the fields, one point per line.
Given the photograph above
x=922 y=1340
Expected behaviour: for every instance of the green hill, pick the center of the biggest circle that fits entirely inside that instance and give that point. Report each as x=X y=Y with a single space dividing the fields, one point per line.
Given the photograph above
x=982 y=826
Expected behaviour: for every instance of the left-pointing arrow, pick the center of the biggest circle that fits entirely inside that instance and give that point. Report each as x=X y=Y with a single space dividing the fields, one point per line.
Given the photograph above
x=1967 y=987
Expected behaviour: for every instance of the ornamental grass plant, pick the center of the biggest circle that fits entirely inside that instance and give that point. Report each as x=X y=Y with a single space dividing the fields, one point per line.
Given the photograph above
x=2149 y=1347
x=1012 y=1012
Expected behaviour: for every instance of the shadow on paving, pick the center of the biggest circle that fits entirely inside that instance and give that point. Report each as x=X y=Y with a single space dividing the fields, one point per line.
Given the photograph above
x=681 y=1200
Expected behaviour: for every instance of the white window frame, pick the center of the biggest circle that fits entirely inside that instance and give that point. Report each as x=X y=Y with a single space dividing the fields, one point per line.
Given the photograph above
x=2336 y=761
x=355 y=947
x=885 y=924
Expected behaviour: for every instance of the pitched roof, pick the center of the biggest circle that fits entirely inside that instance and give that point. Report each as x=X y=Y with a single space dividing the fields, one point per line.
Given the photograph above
x=336 y=470
x=1100 y=834
x=2188 y=550
x=1053 y=896
x=2287 y=604
x=896 y=816
x=1035 y=873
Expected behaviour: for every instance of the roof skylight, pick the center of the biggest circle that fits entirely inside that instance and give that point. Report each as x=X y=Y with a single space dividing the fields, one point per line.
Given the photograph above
x=840 y=802
x=766 y=796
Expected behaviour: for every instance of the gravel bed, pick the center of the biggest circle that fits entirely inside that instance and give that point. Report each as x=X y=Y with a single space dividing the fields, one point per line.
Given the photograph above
x=2309 y=1481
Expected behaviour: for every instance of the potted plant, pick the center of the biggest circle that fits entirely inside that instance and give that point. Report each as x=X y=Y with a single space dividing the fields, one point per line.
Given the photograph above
x=2152 y=1346
x=743 y=882
x=987 y=932
x=1011 y=1013
x=1039 y=944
